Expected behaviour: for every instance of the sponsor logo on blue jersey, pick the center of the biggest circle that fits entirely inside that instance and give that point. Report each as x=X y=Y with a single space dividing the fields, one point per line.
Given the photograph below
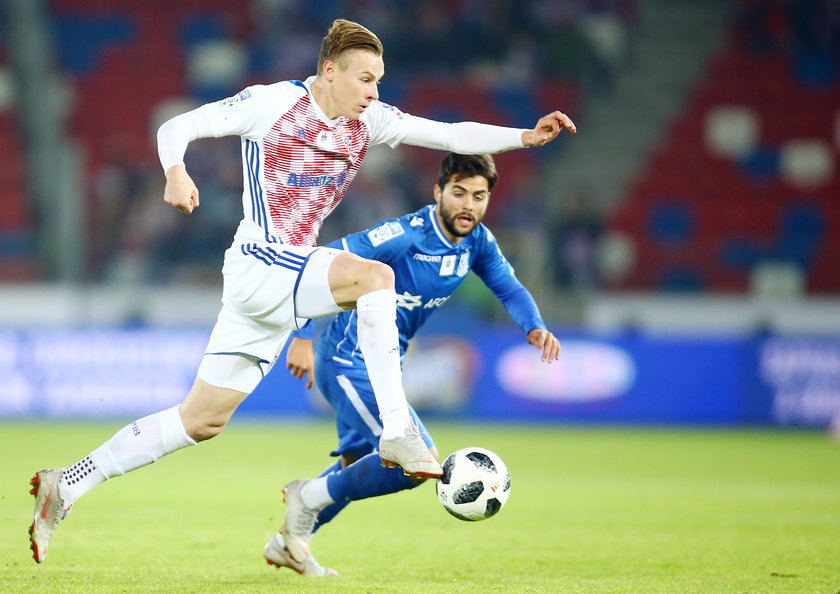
x=308 y=180
x=426 y=258
x=409 y=301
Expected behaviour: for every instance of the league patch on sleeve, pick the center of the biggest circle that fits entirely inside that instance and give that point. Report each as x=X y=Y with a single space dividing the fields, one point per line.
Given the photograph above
x=384 y=232
x=396 y=111
x=231 y=101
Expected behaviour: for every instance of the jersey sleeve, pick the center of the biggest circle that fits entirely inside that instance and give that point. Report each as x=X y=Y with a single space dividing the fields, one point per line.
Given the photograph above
x=250 y=114
x=307 y=332
x=385 y=242
x=391 y=126
x=496 y=272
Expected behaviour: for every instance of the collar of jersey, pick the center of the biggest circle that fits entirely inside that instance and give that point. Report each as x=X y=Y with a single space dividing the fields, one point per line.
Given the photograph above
x=437 y=228
x=317 y=108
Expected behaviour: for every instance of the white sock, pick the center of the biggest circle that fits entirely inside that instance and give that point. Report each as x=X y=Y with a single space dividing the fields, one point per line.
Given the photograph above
x=315 y=494
x=142 y=442
x=379 y=342
x=78 y=479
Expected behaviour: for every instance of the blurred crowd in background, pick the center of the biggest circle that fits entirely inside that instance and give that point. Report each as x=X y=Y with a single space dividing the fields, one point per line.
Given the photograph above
x=710 y=204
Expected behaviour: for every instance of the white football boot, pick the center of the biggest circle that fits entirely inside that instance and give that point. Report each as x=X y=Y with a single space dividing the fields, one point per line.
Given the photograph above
x=49 y=511
x=276 y=554
x=410 y=452
x=298 y=522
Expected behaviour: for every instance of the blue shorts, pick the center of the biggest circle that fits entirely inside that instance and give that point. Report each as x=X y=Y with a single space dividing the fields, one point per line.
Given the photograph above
x=347 y=388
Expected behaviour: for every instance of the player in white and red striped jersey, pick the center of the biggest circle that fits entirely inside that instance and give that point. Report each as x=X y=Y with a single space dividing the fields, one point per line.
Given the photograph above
x=302 y=144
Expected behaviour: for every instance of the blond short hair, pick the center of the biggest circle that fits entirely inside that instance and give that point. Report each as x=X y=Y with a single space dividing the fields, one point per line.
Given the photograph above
x=346 y=35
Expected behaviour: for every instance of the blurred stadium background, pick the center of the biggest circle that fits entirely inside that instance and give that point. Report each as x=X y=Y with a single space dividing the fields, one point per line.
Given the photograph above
x=685 y=245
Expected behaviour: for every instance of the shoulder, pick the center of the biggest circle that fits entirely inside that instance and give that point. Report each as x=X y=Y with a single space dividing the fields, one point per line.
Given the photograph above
x=285 y=92
x=278 y=94
x=485 y=243
x=482 y=235
x=391 y=231
x=379 y=112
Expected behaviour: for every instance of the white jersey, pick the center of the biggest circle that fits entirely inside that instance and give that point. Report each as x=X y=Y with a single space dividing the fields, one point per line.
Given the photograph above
x=297 y=163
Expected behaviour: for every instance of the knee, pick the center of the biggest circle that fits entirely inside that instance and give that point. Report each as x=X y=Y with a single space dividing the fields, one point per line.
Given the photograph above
x=347 y=460
x=351 y=277
x=376 y=276
x=202 y=429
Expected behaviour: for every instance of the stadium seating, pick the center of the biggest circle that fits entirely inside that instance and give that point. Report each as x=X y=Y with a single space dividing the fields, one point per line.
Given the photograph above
x=747 y=174
x=18 y=258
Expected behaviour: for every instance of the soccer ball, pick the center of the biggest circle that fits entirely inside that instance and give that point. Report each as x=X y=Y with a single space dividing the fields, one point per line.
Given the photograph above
x=475 y=484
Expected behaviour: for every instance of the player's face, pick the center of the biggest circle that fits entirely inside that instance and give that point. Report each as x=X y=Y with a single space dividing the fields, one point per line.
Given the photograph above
x=461 y=205
x=354 y=79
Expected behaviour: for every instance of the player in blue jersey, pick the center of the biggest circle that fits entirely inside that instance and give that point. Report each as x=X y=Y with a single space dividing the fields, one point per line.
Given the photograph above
x=430 y=251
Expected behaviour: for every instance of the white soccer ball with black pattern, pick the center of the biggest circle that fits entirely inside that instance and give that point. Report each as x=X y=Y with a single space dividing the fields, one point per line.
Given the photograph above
x=475 y=484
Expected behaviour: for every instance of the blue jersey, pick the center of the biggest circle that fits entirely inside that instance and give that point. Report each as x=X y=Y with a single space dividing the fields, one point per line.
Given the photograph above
x=428 y=268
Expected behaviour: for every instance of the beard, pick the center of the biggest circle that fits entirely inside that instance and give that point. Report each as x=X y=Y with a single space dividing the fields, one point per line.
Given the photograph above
x=448 y=217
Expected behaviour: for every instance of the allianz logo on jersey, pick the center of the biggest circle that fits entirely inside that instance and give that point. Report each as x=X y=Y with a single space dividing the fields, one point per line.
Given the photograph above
x=309 y=180
x=410 y=302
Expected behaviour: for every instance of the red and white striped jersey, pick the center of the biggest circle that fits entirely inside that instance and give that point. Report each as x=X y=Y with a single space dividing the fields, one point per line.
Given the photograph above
x=296 y=163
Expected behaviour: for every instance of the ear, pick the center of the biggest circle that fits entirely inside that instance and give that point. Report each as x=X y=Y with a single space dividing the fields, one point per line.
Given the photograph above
x=328 y=70
x=437 y=194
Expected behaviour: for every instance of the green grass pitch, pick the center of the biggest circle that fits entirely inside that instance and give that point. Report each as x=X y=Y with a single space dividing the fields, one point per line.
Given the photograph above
x=591 y=510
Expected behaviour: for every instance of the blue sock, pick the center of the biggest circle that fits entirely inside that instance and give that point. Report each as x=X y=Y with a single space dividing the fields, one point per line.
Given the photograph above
x=334 y=467
x=364 y=478
x=328 y=513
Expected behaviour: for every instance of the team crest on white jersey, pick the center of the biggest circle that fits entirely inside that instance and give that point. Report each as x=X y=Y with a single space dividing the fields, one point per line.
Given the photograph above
x=384 y=232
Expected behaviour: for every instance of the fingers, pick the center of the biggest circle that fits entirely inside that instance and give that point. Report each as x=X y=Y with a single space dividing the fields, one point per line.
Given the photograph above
x=547 y=343
x=554 y=123
x=551 y=352
x=565 y=121
x=301 y=373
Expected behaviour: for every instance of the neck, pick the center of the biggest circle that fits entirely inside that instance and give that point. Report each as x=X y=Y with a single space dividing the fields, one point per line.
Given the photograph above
x=319 y=94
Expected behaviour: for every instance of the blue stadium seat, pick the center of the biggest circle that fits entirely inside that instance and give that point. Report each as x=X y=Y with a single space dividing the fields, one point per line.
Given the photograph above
x=671 y=223
x=81 y=39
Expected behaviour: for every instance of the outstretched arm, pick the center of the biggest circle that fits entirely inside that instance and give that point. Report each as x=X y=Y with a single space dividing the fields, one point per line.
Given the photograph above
x=470 y=138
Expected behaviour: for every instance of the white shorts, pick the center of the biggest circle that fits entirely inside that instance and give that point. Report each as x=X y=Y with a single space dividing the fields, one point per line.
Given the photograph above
x=269 y=290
